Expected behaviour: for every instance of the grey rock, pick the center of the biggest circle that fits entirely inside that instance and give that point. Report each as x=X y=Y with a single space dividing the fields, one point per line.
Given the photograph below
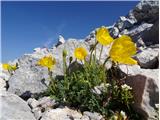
x=137 y=29
x=37 y=113
x=61 y=114
x=145 y=88
x=148 y=58
x=151 y=36
x=32 y=102
x=147 y=10
x=14 y=108
x=93 y=116
x=114 y=32
x=40 y=106
x=69 y=46
x=2 y=85
x=46 y=102
x=61 y=40
x=28 y=81
x=124 y=23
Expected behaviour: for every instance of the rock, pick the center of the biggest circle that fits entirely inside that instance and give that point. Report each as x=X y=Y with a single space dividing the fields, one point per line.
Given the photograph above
x=14 y=108
x=93 y=116
x=37 y=113
x=2 y=85
x=151 y=36
x=46 y=103
x=124 y=23
x=37 y=49
x=29 y=81
x=40 y=106
x=137 y=29
x=61 y=40
x=141 y=23
x=32 y=102
x=61 y=114
x=145 y=88
x=147 y=10
x=114 y=32
x=148 y=58
x=69 y=46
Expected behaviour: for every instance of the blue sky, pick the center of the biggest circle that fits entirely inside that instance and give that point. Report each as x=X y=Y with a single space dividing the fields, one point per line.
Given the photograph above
x=27 y=25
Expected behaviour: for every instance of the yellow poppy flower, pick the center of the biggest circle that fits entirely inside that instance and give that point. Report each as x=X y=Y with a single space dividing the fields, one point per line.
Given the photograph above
x=9 y=67
x=6 y=66
x=103 y=36
x=122 y=50
x=47 y=61
x=80 y=53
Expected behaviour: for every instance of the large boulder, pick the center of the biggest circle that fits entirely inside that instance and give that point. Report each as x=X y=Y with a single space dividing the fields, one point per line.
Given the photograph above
x=145 y=84
x=14 y=108
x=29 y=81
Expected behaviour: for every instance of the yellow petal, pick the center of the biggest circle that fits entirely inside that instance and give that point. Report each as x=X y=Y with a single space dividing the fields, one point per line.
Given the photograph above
x=5 y=66
x=80 y=53
x=129 y=60
x=122 y=50
x=47 y=61
x=103 y=36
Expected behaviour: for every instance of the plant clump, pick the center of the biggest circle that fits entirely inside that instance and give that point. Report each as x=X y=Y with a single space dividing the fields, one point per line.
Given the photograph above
x=92 y=87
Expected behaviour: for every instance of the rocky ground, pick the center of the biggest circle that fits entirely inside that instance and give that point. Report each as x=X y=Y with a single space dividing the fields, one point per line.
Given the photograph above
x=20 y=92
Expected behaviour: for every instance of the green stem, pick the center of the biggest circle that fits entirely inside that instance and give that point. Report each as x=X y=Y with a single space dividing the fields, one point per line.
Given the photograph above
x=100 y=52
x=106 y=61
x=51 y=79
x=92 y=52
x=95 y=48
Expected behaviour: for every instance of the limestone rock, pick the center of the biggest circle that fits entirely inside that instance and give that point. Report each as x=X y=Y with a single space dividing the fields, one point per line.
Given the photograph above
x=28 y=81
x=61 y=114
x=40 y=106
x=93 y=116
x=148 y=58
x=124 y=23
x=14 y=108
x=147 y=10
x=61 y=40
x=3 y=85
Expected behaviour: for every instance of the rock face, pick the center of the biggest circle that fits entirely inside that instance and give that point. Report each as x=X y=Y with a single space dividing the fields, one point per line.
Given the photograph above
x=13 y=107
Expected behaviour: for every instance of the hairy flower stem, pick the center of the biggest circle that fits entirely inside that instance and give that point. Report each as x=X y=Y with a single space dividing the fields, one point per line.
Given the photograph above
x=51 y=79
x=106 y=61
x=100 y=52
x=64 y=66
x=92 y=52
x=95 y=50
